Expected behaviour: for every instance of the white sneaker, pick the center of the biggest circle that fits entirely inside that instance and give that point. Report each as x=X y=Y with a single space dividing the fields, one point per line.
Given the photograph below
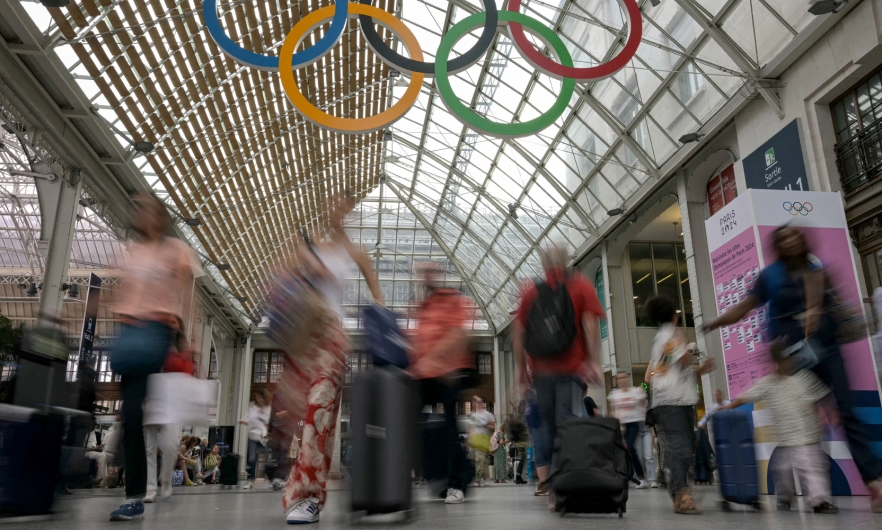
x=482 y=483
x=150 y=496
x=278 y=484
x=454 y=497
x=248 y=485
x=643 y=485
x=653 y=484
x=304 y=512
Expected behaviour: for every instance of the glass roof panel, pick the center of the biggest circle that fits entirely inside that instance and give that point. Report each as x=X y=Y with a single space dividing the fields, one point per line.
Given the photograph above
x=222 y=129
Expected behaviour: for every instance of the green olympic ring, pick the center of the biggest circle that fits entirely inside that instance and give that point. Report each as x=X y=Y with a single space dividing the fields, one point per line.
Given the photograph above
x=470 y=118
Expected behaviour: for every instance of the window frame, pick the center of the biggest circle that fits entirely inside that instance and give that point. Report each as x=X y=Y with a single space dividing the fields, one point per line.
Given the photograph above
x=852 y=93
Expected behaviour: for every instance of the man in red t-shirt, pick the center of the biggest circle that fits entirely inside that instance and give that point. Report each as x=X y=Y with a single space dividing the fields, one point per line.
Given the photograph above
x=561 y=380
x=443 y=365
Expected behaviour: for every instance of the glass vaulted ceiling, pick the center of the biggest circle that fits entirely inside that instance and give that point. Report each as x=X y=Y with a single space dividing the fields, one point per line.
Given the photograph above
x=449 y=192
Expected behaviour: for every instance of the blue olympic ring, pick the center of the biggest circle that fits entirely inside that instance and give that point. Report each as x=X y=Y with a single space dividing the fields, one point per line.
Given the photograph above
x=269 y=62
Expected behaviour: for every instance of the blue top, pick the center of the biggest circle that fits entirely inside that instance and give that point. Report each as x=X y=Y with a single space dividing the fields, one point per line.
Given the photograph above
x=785 y=296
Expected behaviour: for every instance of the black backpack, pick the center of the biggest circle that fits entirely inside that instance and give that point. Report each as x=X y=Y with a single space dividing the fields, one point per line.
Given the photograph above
x=551 y=325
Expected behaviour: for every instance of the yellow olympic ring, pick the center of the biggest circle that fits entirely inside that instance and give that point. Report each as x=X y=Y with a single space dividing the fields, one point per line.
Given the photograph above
x=349 y=125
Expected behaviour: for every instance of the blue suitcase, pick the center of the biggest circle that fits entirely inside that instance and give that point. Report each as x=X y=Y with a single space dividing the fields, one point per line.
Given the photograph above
x=736 y=459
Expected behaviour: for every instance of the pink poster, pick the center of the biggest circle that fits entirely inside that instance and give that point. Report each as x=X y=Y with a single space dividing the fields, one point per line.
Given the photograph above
x=736 y=265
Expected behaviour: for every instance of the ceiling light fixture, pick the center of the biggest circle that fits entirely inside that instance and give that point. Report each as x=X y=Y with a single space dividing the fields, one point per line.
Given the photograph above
x=691 y=138
x=827 y=7
x=32 y=289
x=513 y=210
x=54 y=3
x=615 y=211
x=189 y=221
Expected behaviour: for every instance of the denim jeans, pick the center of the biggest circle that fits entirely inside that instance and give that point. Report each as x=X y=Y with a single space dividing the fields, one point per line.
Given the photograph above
x=632 y=430
x=645 y=445
x=253 y=452
x=557 y=397
x=677 y=423
x=151 y=341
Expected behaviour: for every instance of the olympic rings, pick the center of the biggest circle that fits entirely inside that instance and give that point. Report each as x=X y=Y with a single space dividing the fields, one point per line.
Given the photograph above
x=553 y=69
x=798 y=208
x=268 y=62
x=561 y=68
x=350 y=125
x=463 y=62
x=467 y=116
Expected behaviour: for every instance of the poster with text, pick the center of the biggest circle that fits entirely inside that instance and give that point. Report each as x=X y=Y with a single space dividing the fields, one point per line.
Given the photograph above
x=736 y=264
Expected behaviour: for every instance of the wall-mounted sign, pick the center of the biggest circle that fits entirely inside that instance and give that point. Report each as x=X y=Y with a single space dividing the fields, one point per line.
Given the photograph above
x=779 y=163
x=721 y=189
x=90 y=319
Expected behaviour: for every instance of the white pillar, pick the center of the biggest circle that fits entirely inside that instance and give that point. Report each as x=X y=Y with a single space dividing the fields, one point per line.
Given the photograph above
x=700 y=343
x=498 y=383
x=607 y=298
x=59 y=203
x=228 y=370
x=205 y=348
x=243 y=398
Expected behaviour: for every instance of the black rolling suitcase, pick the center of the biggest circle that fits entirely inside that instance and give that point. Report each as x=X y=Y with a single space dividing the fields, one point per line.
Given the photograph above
x=229 y=470
x=592 y=467
x=383 y=438
x=30 y=457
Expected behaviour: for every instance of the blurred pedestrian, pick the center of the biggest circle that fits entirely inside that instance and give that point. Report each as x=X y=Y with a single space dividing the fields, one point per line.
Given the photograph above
x=310 y=386
x=258 y=430
x=793 y=397
x=483 y=425
x=443 y=365
x=556 y=343
x=785 y=287
x=154 y=301
x=629 y=407
x=672 y=378
x=591 y=408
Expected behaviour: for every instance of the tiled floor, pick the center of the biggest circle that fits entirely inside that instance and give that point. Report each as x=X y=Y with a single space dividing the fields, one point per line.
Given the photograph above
x=504 y=507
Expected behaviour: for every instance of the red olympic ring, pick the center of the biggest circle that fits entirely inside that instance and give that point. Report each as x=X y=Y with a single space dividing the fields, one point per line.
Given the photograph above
x=559 y=71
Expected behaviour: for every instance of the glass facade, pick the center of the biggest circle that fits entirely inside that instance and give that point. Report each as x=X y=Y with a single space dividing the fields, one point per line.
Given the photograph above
x=659 y=269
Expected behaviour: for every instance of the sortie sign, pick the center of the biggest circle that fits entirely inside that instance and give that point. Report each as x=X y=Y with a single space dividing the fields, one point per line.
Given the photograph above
x=778 y=164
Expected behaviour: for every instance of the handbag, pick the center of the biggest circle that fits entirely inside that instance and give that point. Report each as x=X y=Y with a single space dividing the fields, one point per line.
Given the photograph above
x=385 y=342
x=179 y=399
x=178 y=477
x=480 y=441
x=180 y=362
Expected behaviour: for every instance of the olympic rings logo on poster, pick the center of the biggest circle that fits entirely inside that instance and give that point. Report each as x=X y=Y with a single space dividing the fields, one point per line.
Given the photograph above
x=561 y=67
x=798 y=208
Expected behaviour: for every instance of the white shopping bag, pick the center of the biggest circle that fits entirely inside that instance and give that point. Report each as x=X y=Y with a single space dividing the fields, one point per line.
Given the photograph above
x=179 y=399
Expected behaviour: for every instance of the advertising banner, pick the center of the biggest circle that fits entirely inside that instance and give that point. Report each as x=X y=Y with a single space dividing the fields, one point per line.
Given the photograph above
x=740 y=243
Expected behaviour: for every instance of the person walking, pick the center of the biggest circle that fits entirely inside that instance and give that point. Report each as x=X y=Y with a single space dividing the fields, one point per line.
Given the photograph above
x=793 y=396
x=311 y=384
x=556 y=343
x=500 y=458
x=443 y=365
x=783 y=287
x=629 y=407
x=258 y=428
x=483 y=424
x=672 y=379
x=154 y=304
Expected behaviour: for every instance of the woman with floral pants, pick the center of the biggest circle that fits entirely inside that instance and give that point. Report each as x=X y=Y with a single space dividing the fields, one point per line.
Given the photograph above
x=311 y=388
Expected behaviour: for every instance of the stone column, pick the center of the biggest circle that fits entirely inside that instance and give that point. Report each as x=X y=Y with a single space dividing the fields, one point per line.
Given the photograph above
x=687 y=219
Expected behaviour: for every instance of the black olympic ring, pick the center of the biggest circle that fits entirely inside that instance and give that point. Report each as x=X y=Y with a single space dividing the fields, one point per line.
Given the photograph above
x=396 y=60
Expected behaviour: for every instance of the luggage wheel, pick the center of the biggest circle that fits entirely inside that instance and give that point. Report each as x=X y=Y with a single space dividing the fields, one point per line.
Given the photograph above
x=621 y=513
x=726 y=506
x=756 y=505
